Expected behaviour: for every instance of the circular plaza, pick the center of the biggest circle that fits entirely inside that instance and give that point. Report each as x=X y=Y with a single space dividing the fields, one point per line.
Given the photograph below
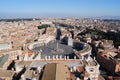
x=57 y=49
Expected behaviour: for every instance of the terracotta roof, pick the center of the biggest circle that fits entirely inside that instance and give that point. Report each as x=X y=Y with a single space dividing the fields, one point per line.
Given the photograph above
x=24 y=63
x=6 y=74
x=80 y=68
x=28 y=74
x=56 y=72
x=101 y=78
x=72 y=76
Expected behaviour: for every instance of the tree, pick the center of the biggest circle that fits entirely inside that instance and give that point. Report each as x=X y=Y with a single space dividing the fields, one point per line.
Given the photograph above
x=43 y=26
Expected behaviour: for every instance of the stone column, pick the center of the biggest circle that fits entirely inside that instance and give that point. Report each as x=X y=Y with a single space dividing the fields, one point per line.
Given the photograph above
x=60 y=57
x=57 y=57
x=67 y=57
x=53 y=57
x=45 y=57
x=74 y=57
x=48 y=57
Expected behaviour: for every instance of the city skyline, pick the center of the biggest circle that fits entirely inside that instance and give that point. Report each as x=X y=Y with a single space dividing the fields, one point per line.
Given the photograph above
x=59 y=8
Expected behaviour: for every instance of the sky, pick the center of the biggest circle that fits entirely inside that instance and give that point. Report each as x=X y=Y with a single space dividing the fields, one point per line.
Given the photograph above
x=59 y=8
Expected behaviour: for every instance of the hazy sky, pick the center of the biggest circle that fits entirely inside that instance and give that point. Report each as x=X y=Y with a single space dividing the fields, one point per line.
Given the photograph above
x=59 y=8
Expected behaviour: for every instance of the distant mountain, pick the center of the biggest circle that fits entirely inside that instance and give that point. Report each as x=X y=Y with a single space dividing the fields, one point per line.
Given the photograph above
x=109 y=17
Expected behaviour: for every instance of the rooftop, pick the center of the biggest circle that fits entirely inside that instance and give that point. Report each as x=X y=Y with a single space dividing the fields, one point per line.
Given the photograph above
x=6 y=74
x=56 y=72
x=3 y=59
x=69 y=63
